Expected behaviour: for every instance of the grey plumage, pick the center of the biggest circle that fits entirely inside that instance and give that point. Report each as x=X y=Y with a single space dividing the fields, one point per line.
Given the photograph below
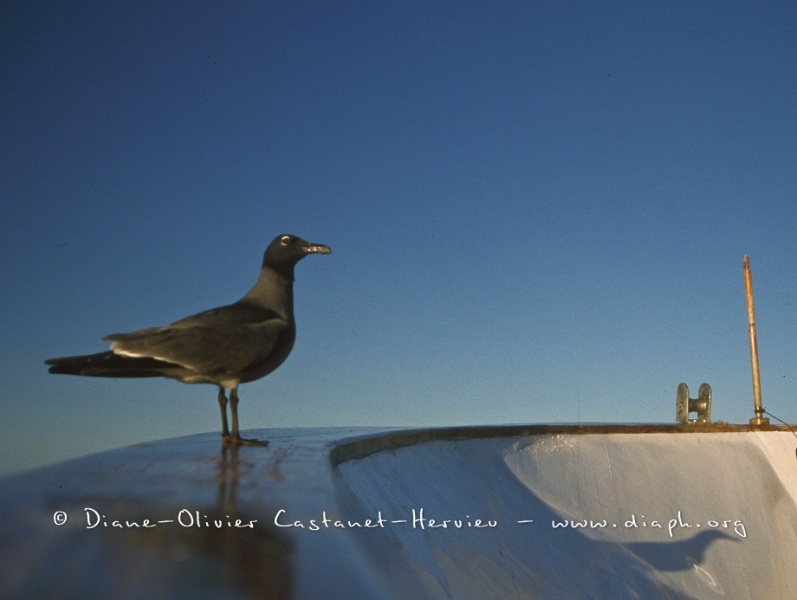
x=224 y=346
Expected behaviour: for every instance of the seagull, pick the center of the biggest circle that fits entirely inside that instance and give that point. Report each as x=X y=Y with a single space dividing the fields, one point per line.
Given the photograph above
x=224 y=346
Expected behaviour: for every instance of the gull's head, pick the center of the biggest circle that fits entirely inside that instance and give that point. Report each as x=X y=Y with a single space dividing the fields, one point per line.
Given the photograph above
x=286 y=250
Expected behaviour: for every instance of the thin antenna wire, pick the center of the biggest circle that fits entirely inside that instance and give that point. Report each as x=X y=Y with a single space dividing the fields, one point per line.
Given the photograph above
x=782 y=421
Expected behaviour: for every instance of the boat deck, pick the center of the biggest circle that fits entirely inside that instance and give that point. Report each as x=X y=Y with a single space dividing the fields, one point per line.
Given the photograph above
x=531 y=511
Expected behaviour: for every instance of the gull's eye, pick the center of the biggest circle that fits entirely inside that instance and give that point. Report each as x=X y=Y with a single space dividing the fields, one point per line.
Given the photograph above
x=286 y=240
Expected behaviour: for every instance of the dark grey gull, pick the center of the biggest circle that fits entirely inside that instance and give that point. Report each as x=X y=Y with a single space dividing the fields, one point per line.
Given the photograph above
x=224 y=346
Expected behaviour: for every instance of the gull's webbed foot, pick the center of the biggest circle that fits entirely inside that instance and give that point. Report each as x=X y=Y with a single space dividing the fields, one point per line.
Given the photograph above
x=237 y=440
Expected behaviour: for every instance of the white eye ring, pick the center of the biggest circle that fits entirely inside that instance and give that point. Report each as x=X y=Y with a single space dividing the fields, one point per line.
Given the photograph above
x=286 y=240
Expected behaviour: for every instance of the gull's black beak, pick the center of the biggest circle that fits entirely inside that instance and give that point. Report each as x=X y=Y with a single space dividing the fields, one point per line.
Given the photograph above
x=317 y=249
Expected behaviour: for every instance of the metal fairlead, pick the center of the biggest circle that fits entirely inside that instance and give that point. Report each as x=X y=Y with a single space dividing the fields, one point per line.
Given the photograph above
x=685 y=405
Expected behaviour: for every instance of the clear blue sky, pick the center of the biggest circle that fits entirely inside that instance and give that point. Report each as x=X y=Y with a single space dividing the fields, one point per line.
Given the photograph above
x=538 y=210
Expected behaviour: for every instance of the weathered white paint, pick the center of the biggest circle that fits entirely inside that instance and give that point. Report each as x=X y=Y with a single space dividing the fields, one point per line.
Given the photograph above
x=686 y=516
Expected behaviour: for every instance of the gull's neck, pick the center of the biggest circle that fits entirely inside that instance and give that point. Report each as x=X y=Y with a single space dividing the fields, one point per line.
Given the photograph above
x=273 y=290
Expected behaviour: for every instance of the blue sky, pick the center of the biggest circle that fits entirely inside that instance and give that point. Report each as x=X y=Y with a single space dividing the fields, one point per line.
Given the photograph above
x=538 y=211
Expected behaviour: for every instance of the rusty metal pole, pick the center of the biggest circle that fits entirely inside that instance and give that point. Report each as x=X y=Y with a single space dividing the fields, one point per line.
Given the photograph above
x=759 y=418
